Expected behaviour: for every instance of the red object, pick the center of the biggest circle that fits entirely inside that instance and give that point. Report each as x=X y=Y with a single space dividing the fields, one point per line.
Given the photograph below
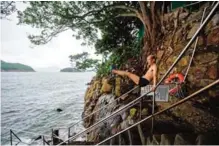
x=180 y=78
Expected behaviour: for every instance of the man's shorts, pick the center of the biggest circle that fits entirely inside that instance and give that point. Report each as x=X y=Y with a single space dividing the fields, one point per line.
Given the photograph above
x=143 y=82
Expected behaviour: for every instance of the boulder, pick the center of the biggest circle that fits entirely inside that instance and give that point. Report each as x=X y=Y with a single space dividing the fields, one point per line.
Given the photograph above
x=184 y=61
x=205 y=58
x=195 y=27
x=215 y=19
x=205 y=82
x=116 y=121
x=213 y=37
x=196 y=75
x=106 y=87
x=117 y=88
x=133 y=112
x=213 y=93
x=124 y=124
x=58 y=109
x=159 y=54
x=212 y=72
x=144 y=112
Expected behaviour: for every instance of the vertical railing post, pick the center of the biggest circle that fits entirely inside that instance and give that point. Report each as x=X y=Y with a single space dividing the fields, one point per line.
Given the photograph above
x=52 y=138
x=69 y=133
x=11 y=137
x=152 y=121
x=43 y=140
x=140 y=108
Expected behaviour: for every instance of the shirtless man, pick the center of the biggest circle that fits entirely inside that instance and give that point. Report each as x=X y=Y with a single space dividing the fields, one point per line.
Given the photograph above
x=150 y=75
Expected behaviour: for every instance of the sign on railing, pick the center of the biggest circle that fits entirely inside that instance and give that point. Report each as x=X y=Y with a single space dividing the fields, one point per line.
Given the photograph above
x=161 y=93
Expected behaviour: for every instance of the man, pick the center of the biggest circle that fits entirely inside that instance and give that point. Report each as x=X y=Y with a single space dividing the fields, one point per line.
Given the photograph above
x=150 y=75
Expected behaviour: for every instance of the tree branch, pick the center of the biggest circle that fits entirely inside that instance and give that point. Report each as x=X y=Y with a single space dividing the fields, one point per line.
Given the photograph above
x=127 y=15
x=126 y=8
x=136 y=14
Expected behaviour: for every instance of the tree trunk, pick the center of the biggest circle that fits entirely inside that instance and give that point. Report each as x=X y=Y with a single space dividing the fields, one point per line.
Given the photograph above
x=152 y=33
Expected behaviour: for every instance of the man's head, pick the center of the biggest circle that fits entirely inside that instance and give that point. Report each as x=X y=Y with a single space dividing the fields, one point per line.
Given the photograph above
x=151 y=59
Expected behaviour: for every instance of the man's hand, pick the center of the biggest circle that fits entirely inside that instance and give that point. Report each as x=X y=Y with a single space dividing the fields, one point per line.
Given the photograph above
x=153 y=88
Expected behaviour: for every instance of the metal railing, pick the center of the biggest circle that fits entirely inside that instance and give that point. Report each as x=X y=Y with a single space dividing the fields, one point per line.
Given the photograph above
x=162 y=111
x=162 y=79
x=37 y=136
x=183 y=100
x=42 y=137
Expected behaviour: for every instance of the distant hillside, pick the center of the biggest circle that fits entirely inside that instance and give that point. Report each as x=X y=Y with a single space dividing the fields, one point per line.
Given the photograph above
x=69 y=69
x=17 y=67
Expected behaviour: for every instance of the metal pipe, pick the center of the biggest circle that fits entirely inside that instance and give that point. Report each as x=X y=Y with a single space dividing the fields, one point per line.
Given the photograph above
x=18 y=131
x=152 y=121
x=15 y=135
x=170 y=107
x=52 y=138
x=11 y=137
x=193 y=52
x=69 y=133
x=43 y=140
x=192 y=4
x=177 y=60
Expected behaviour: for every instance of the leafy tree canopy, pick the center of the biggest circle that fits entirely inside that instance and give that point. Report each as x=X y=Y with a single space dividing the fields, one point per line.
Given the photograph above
x=84 y=18
x=7 y=8
x=82 y=62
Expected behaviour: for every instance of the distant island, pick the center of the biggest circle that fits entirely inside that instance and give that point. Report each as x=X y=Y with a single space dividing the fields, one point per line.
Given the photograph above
x=70 y=69
x=15 y=67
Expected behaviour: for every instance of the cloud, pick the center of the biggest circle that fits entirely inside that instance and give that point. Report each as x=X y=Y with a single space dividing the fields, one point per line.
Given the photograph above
x=15 y=46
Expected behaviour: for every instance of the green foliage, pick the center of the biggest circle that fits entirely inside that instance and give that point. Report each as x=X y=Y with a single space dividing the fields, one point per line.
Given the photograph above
x=87 y=63
x=118 y=34
x=54 y=17
x=82 y=62
x=103 y=69
x=14 y=67
x=7 y=8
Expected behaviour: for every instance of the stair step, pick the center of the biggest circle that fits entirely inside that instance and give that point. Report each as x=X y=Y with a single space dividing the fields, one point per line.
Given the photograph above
x=184 y=139
x=207 y=139
x=81 y=143
x=167 y=139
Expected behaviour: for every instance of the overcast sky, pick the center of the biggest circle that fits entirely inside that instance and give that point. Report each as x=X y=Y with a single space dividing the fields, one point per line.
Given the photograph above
x=16 y=48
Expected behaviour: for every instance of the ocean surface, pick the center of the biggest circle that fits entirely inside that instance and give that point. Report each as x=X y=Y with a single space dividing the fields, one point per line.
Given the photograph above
x=29 y=103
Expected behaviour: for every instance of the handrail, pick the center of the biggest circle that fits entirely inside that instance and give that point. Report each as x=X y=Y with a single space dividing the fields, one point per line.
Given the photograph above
x=176 y=61
x=34 y=134
x=170 y=107
x=192 y=4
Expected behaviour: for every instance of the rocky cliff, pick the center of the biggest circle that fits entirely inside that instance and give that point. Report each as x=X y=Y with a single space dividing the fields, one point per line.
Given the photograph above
x=199 y=115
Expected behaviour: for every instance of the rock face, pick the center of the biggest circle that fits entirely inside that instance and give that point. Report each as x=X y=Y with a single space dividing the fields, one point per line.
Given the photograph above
x=186 y=117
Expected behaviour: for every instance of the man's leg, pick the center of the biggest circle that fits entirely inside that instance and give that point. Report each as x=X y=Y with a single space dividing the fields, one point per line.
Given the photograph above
x=133 y=77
